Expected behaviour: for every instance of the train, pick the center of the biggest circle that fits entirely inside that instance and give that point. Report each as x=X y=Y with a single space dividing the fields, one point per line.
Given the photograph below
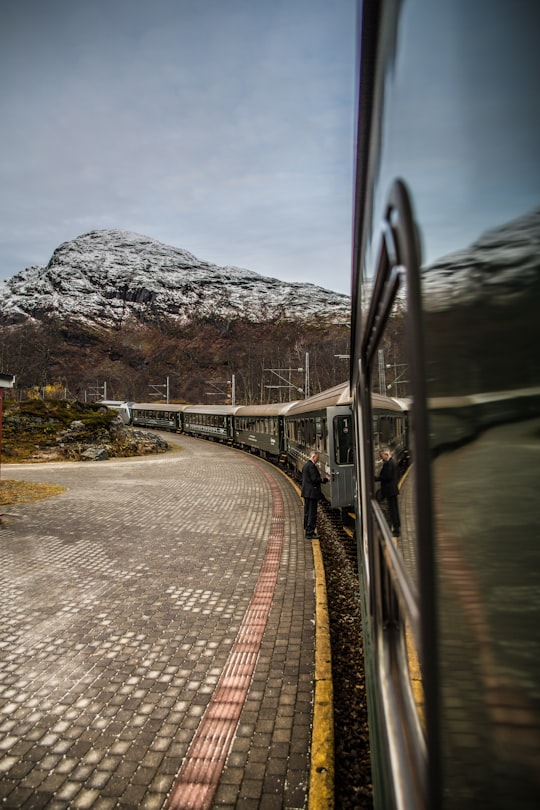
x=286 y=433
x=445 y=300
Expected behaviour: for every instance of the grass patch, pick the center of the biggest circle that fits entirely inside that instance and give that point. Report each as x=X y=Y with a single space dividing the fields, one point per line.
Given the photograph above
x=12 y=492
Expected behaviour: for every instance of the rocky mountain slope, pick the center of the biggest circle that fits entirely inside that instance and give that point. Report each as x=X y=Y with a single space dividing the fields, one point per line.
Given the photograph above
x=500 y=266
x=107 y=277
x=39 y=430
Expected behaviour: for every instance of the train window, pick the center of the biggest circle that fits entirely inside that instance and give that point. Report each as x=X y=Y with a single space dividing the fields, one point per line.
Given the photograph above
x=301 y=436
x=392 y=380
x=310 y=433
x=321 y=441
x=291 y=431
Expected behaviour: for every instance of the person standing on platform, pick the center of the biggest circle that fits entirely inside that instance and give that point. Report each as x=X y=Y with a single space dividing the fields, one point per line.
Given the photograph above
x=311 y=493
x=390 y=490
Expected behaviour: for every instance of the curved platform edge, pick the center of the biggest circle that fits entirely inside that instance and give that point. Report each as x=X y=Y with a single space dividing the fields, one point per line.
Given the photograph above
x=321 y=776
x=321 y=782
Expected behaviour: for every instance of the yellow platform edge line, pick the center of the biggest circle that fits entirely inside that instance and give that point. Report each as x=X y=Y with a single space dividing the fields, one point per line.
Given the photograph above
x=321 y=778
x=321 y=774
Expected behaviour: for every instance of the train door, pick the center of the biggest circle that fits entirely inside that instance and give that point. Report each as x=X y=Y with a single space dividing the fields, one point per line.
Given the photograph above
x=340 y=456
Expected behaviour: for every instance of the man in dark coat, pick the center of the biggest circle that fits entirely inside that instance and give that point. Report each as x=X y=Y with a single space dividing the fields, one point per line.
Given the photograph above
x=390 y=490
x=311 y=493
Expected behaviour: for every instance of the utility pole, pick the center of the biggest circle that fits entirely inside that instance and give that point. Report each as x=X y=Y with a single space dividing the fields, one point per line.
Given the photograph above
x=382 y=372
x=95 y=391
x=218 y=392
x=157 y=393
x=287 y=382
x=397 y=381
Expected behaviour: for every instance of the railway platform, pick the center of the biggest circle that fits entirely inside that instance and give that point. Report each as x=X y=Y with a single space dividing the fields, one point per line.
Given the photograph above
x=157 y=644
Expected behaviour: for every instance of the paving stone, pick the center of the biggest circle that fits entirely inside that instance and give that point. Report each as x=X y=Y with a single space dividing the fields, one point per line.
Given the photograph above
x=125 y=596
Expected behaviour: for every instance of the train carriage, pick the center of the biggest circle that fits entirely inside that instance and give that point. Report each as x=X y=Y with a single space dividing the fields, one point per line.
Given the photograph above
x=323 y=422
x=157 y=415
x=261 y=429
x=210 y=421
x=446 y=296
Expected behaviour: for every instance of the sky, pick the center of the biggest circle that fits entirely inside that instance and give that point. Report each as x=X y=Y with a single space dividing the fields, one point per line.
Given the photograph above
x=223 y=127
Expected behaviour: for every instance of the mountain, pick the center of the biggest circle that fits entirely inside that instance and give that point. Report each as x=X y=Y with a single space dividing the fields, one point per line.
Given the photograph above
x=495 y=280
x=107 y=277
x=500 y=267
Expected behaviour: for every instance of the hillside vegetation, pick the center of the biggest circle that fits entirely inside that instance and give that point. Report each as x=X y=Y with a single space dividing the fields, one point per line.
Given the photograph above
x=198 y=359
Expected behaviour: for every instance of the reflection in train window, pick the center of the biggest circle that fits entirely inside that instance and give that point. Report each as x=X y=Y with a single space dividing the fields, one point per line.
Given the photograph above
x=391 y=423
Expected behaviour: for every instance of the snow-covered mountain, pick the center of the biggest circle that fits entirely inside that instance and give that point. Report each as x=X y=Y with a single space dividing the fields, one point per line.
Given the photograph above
x=105 y=277
x=500 y=267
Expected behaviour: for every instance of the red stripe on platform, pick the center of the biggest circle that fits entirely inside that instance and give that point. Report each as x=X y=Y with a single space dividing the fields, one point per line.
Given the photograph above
x=199 y=775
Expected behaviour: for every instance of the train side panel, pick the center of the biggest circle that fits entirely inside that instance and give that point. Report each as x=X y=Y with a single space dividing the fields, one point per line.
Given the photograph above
x=263 y=435
x=160 y=416
x=261 y=429
x=210 y=422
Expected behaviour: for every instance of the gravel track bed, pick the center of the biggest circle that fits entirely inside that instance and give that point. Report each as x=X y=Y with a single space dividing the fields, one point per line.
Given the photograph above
x=353 y=785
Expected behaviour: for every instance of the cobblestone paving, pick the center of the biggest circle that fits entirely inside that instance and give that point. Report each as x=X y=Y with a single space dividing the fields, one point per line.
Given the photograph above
x=121 y=600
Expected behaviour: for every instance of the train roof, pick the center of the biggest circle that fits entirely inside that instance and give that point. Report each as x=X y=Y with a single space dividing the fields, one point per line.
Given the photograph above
x=111 y=403
x=389 y=403
x=337 y=395
x=270 y=409
x=223 y=410
x=157 y=406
